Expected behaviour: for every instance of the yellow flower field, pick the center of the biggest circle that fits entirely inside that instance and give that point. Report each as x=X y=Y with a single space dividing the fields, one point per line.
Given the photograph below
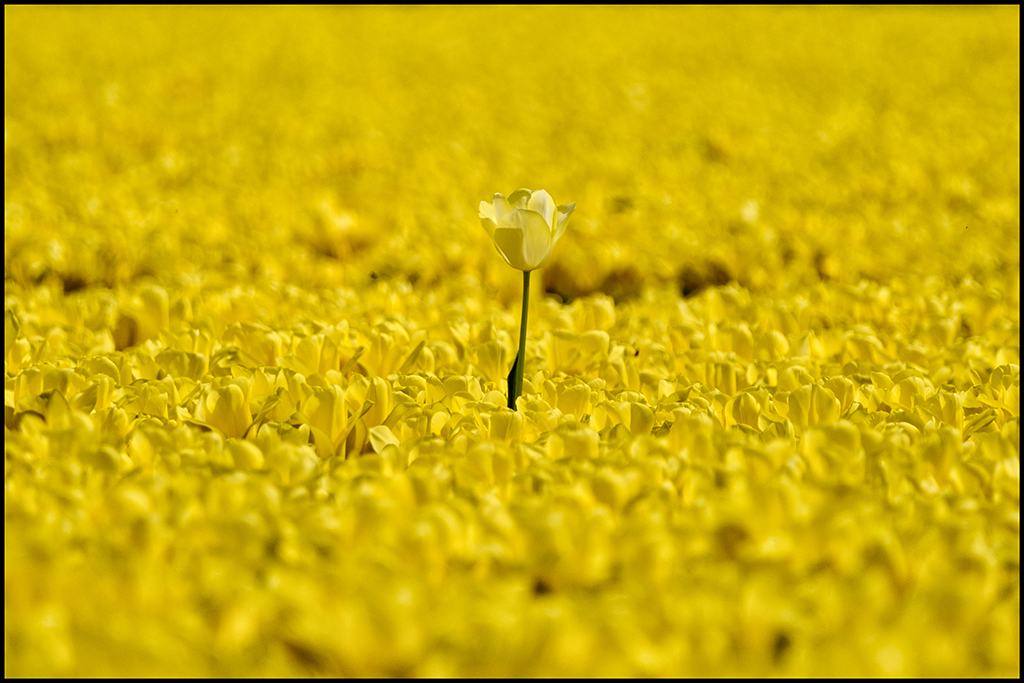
x=256 y=342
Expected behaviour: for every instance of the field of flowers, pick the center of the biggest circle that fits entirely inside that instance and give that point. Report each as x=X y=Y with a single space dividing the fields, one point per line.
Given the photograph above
x=256 y=342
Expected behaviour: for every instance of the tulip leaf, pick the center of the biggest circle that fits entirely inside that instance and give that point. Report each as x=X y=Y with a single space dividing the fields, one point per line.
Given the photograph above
x=12 y=328
x=511 y=383
x=352 y=361
x=411 y=358
x=272 y=402
x=203 y=426
x=352 y=421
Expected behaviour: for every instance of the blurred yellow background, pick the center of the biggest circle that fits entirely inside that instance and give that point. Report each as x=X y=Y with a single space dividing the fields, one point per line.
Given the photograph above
x=768 y=146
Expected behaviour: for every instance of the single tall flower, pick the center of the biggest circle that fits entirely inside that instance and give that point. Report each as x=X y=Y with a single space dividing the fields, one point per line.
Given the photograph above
x=525 y=228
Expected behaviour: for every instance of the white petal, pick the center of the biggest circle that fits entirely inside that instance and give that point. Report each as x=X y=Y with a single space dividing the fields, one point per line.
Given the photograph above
x=487 y=211
x=519 y=198
x=563 y=220
x=501 y=206
x=509 y=243
x=542 y=203
x=489 y=225
x=534 y=244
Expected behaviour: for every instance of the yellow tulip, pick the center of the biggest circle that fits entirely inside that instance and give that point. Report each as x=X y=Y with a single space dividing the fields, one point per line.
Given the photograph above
x=525 y=227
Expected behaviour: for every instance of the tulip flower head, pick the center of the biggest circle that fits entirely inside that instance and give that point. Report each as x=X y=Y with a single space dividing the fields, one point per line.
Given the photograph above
x=525 y=227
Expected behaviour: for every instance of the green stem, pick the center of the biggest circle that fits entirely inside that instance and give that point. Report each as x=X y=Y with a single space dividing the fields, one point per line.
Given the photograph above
x=516 y=390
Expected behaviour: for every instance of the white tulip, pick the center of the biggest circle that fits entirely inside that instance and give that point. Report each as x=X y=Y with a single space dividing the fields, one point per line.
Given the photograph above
x=525 y=227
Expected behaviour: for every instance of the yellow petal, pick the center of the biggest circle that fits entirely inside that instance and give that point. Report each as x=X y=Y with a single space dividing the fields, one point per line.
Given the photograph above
x=227 y=409
x=506 y=425
x=381 y=436
x=326 y=411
